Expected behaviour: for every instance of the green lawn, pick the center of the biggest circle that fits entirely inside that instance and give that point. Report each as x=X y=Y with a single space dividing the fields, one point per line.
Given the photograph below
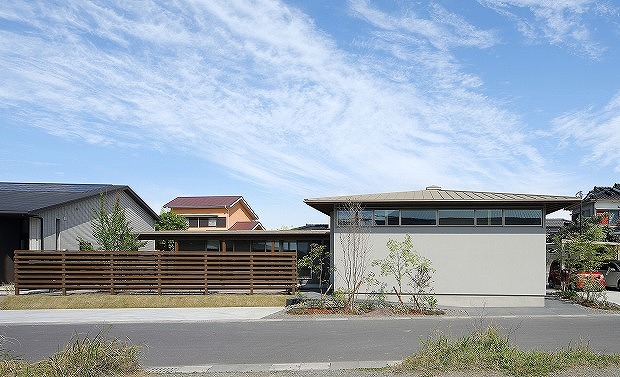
x=102 y=301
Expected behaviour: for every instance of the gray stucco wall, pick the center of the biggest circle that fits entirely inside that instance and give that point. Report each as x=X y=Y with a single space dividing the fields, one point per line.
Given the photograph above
x=475 y=266
x=76 y=221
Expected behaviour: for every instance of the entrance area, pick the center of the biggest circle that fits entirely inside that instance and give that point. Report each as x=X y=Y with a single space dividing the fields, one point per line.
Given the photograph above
x=13 y=236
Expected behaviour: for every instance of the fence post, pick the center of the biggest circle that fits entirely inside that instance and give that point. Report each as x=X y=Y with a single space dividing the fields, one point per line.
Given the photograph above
x=206 y=274
x=64 y=274
x=15 y=273
x=294 y=260
x=111 y=272
x=159 y=272
x=251 y=273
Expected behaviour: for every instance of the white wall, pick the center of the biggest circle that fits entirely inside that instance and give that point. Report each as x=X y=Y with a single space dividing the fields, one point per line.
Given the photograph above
x=76 y=221
x=492 y=266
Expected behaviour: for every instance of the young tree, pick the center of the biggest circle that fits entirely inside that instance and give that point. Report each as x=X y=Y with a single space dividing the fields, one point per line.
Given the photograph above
x=408 y=268
x=580 y=251
x=317 y=262
x=169 y=220
x=354 y=228
x=113 y=231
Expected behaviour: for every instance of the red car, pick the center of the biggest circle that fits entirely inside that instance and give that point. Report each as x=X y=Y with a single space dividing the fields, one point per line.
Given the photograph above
x=558 y=275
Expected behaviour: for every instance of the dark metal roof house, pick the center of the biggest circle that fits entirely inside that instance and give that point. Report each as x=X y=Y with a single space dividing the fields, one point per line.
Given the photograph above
x=40 y=216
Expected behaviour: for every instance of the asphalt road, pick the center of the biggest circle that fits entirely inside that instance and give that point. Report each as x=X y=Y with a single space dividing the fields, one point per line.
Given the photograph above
x=288 y=341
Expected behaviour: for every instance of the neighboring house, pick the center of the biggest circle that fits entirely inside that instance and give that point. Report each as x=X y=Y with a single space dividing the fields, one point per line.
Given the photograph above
x=553 y=226
x=598 y=201
x=51 y=216
x=487 y=248
x=215 y=212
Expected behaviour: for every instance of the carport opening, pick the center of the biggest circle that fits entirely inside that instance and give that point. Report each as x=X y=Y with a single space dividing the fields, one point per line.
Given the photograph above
x=13 y=236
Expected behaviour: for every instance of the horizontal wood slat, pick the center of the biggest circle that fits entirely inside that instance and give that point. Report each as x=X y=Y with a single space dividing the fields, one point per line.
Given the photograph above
x=117 y=271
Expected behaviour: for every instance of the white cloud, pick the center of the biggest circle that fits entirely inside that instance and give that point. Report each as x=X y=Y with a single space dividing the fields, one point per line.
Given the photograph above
x=560 y=23
x=256 y=88
x=597 y=131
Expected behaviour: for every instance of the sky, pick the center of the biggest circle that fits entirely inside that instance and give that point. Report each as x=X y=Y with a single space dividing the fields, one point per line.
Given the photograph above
x=284 y=100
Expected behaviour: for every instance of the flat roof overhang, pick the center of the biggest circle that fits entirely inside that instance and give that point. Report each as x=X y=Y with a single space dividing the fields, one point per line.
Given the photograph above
x=550 y=206
x=280 y=235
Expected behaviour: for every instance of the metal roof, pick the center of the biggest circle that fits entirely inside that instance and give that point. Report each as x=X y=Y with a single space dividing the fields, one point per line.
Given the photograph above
x=209 y=202
x=27 y=198
x=435 y=195
x=203 y=201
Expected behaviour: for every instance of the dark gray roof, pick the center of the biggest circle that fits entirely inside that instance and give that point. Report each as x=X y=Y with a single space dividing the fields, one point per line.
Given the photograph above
x=27 y=198
x=433 y=195
x=604 y=193
x=555 y=222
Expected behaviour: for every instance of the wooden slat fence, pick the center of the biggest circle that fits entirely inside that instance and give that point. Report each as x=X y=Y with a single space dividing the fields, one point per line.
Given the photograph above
x=154 y=271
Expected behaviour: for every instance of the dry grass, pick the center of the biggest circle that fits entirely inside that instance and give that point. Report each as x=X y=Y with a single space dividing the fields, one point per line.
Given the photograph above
x=82 y=357
x=488 y=351
x=103 y=301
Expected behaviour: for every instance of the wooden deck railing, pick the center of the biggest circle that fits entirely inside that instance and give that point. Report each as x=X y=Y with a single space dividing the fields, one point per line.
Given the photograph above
x=119 y=271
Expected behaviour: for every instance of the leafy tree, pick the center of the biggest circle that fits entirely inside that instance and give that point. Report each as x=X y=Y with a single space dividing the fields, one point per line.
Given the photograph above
x=581 y=252
x=409 y=269
x=169 y=220
x=85 y=245
x=113 y=231
x=317 y=262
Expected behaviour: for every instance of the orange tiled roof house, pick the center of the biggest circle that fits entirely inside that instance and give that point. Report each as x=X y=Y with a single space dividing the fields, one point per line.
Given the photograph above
x=215 y=212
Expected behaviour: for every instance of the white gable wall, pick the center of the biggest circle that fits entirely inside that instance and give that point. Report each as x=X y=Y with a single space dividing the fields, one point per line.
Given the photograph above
x=75 y=220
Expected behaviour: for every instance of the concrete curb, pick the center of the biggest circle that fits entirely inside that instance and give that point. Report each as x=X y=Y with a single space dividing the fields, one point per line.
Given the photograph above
x=334 y=365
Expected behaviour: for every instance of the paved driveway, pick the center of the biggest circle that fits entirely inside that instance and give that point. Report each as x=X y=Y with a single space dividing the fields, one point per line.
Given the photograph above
x=613 y=296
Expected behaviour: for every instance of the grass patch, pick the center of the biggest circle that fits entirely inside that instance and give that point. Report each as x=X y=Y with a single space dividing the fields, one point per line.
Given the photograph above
x=489 y=351
x=102 y=301
x=84 y=357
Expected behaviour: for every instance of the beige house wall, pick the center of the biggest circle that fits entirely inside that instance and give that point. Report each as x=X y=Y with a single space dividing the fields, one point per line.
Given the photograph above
x=239 y=212
x=475 y=266
x=234 y=214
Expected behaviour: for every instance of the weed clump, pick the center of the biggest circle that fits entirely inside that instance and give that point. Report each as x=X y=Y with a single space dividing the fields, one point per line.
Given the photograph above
x=84 y=357
x=489 y=351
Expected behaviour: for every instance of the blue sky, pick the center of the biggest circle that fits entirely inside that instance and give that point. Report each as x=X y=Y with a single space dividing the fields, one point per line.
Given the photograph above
x=281 y=101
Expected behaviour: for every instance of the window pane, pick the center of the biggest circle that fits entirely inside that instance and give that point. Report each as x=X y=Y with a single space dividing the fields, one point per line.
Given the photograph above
x=386 y=217
x=221 y=222
x=212 y=221
x=192 y=245
x=456 y=217
x=343 y=217
x=488 y=217
x=242 y=245
x=380 y=217
x=213 y=245
x=613 y=217
x=523 y=216
x=258 y=246
x=192 y=222
x=418 y=217
x=393 y=217
x=289 y=246
x=362 y=217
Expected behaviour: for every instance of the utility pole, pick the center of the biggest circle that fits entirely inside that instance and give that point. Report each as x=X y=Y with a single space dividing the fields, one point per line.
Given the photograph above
x=579 y=195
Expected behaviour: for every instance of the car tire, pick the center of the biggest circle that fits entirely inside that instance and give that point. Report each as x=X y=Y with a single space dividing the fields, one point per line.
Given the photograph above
x=550 y=283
